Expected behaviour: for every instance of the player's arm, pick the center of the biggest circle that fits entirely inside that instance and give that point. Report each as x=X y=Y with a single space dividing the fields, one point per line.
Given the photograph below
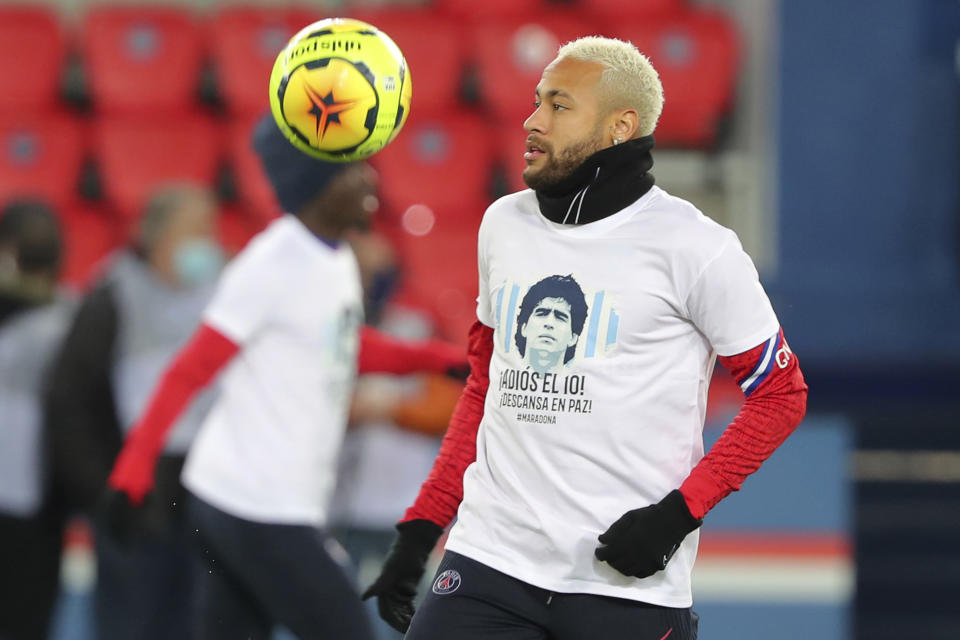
x=381 y=353
x=726 y=302
x=776 y=401
x=441 y=494
x=192 y=369
x=642 y=541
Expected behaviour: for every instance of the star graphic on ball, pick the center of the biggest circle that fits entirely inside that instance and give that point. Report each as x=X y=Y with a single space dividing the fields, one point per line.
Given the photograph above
x=325 y=109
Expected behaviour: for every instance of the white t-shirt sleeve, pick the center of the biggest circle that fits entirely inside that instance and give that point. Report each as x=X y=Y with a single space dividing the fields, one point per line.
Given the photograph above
x=728 y=304
x=484 y=311
x=242 y=301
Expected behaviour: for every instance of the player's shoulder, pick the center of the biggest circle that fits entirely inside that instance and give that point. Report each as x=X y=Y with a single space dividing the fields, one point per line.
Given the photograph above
x=270 y=254
x=510 y=209
x=682 y=214
x=512 y=204
x=682 y=226
x=278 y=241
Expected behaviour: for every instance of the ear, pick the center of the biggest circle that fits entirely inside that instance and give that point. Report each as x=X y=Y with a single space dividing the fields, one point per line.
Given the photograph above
x=623 y=125
x=573 y=340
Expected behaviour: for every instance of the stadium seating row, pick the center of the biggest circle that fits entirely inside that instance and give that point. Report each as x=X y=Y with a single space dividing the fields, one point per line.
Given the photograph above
x=149 y=60
x=435 y=181
x=46 y=156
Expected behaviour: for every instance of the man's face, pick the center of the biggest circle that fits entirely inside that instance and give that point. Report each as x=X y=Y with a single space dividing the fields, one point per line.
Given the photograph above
x=549 y=326
x=566 y=126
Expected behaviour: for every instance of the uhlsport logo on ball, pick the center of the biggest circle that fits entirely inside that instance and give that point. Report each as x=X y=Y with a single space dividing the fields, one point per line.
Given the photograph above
x=340 y=90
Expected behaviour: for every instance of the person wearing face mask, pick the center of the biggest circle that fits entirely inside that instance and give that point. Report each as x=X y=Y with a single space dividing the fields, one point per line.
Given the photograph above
x=143 y=309
x=34 y=315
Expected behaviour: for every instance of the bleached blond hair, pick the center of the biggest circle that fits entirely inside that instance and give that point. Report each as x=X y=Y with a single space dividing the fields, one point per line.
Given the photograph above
x=629 y=80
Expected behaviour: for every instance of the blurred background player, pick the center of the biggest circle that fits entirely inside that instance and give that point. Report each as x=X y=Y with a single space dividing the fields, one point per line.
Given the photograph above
x=126 y=331
x=34 y=315
x=396 y=423
x=284 y=326
x=579 y=521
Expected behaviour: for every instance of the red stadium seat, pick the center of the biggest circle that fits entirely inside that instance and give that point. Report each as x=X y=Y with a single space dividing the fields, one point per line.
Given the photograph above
x=696 y=55
x=629 y=9
x=246 y=41
x=434 y=48
x=253 y=189
x=40 y=156
x=441 y=164
x=511 y=56
x=137 y=154
x=440 y=275
x=32 y=51
x=143 y=59
x=473 y=10
x=90 y=234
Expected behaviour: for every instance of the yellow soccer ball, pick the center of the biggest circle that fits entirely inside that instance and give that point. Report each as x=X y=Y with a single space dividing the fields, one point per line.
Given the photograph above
x=340 y=90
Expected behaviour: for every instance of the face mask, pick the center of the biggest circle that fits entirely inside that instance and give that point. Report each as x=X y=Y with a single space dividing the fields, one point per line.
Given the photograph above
x=197 y=262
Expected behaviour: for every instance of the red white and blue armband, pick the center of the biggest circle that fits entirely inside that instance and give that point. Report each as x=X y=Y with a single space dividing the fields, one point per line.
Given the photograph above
x=774 y=355
x=770 y=377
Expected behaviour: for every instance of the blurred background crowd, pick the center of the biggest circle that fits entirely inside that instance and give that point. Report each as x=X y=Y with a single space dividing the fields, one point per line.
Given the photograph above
x=825 y=132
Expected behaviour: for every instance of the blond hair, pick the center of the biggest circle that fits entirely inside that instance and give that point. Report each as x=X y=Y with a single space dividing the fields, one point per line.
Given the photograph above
x=629 y=80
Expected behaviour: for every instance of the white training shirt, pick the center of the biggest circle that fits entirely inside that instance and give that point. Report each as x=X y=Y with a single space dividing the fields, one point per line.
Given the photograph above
x=268 y=449
x=564 y=451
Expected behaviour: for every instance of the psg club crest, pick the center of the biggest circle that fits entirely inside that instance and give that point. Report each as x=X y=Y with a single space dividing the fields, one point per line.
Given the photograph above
x=447 y=582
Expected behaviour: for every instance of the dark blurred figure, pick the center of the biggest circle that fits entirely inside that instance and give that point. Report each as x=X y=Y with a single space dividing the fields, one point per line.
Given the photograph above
x=33 y=319
x=124 y=333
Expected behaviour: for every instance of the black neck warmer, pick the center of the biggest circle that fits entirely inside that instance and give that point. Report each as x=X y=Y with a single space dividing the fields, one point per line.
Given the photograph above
x=605 y=183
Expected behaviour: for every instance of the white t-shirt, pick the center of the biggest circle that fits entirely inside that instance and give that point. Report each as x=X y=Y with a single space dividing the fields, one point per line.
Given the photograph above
x=603 y=410
x=268 y=449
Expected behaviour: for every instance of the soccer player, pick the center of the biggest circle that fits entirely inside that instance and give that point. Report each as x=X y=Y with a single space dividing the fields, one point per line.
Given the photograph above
x=284 y=326
x=578 y=494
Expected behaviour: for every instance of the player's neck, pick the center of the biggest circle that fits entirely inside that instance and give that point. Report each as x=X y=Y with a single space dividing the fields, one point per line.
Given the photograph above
x=327 y=232
x=607 y=181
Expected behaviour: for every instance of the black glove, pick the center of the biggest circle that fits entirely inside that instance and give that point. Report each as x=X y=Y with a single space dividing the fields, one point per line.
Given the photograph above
x=642 y=541
x=459 y=372
x=396 y=586
x=119 y=515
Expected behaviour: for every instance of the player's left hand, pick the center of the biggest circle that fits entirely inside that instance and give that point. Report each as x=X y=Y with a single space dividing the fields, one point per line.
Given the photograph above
x=459 y=371
x=396 y=586
x=643 y=540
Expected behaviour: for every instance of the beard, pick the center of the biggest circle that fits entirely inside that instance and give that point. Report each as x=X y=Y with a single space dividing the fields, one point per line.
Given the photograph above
x=559 y=166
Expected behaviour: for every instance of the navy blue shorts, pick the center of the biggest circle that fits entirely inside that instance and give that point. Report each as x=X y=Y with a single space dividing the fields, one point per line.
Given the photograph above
x=260 y=575
x=470 y=601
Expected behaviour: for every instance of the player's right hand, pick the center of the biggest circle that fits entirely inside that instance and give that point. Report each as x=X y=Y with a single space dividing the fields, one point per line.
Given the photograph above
x=396 y=586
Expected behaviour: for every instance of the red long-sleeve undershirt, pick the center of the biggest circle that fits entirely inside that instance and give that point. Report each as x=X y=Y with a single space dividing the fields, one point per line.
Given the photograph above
x=194 y=366
x=207 y=352
x=380 y=353
x=442 y=492
x=775 y=404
